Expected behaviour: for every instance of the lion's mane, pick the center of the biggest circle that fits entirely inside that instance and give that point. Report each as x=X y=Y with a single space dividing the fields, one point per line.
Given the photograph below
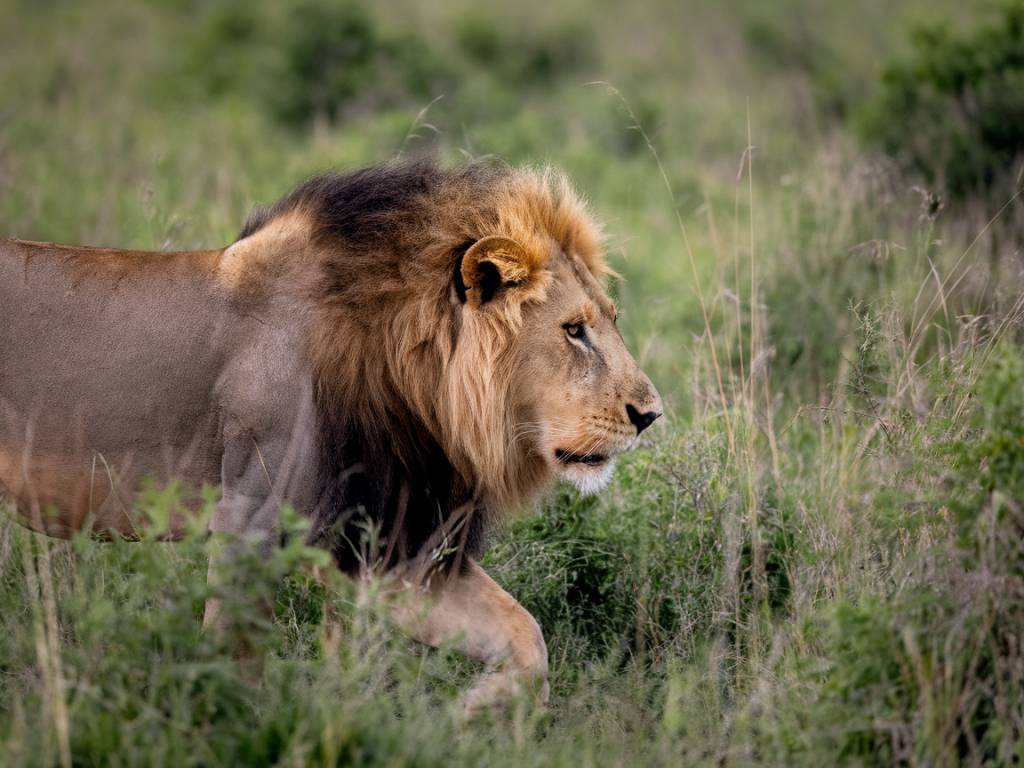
x=418 y=435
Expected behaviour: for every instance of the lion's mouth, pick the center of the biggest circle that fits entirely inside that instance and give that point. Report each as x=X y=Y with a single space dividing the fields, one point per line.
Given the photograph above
x=589 y=459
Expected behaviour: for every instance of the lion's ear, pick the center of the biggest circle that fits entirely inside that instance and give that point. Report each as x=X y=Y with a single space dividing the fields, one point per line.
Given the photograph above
x=492 y=264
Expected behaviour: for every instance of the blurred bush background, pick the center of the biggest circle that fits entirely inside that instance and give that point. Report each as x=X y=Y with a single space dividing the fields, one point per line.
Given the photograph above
x=815 y=209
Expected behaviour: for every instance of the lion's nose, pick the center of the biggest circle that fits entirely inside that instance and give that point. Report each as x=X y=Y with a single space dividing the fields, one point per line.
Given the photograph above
x=641 y=420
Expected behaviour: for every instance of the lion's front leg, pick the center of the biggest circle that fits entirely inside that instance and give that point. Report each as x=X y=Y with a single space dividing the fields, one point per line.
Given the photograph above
x=480 y=619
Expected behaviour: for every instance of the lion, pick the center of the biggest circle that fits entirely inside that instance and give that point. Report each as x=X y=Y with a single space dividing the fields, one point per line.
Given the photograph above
x=417 y=348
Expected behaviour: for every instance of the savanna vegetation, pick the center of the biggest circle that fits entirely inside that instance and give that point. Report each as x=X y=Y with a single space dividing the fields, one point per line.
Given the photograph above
x=817 y=558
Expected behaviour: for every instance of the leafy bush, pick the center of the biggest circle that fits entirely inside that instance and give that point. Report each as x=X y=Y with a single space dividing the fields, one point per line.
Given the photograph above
x=989 y=498
x=333 y=56
x=319 y=60
x=634 y=576
x=932 y=674
x=790 y=43
x=954 y=112
x=324 y=59
x=532 y=57
x=582 y=592
x=222 y=53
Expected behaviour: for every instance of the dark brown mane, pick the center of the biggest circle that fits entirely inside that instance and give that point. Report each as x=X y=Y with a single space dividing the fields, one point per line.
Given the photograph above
x=366 y=207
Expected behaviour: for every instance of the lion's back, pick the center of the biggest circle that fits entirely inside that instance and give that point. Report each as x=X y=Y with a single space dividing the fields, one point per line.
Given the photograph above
x=108 y=359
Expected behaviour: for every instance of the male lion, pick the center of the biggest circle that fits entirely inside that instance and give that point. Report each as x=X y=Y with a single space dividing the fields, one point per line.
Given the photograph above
x=405 y=346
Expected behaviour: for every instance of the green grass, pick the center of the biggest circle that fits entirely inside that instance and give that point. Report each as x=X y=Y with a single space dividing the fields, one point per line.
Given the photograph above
x=815 y=559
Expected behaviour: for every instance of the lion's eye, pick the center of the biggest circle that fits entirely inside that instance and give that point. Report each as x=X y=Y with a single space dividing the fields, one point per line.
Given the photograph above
x=575 y=330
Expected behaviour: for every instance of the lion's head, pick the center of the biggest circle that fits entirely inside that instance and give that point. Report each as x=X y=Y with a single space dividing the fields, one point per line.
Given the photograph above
x=576 y=396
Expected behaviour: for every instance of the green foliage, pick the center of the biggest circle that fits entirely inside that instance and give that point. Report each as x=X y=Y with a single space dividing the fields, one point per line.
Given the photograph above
x=221 y=56
x=989 y=491
x=145 y=686
x=330 y=60
x=583 y=595
x=954 y=112
x=928 y=673
x=787 y=44
x=334 y=56
x=514 y=53
x=634 y=577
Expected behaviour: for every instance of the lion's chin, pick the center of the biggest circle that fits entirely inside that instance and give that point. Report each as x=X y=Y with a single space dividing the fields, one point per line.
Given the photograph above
x=588 y=478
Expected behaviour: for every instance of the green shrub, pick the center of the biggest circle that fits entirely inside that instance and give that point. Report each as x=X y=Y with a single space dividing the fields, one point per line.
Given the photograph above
x=322 y=60
x=787 y=42
x=333 y=57
x=636 y=575
x=319 y=59
x=568 y=573
x=989 y=486
x=222 y=54
x=930 y=674
x=524 y=56
x=927 y=676
x=954 y=111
